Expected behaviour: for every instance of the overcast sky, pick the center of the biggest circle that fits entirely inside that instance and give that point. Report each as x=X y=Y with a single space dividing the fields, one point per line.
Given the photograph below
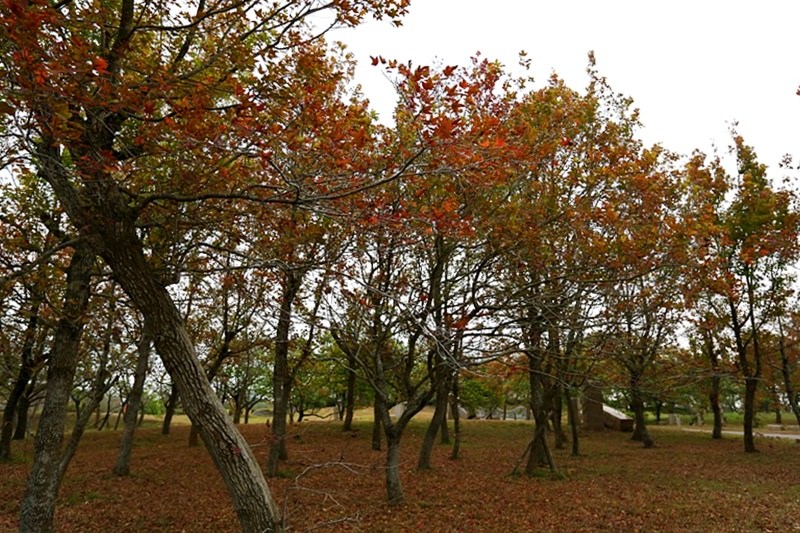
x=692 y=66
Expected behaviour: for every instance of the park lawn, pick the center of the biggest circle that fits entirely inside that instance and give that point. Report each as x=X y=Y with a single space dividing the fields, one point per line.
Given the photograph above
x=334 y=482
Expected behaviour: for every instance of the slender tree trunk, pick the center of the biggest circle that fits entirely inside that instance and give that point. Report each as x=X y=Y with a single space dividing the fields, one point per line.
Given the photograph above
x=122 y=466
x=572 y=419
x=377 y=417
x=231 y=454
x=454 y=408
x=350 y=393
x=23 y=408
x=20 y=385
x=555 y=417
x=713 y=396
x=169 y=409
x=103 y=213
x=750 y=386
x=281 y=378
x=716 y=408
x=39 y=500
x=439 y=413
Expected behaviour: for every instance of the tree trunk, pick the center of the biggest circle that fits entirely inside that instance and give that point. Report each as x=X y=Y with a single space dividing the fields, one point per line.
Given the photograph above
x=439 y=413
x=750 y=386
x=572 y=419
x=716 y=408
x=640 y=432
x=122 y=467
x=39 y=500
x=713 y=396
x=555 y=417
x=454 y=408
x=20 y=385
x=169 y=409
x=377 y=429
x=350 y=393
x=394 y=487
x=23 y=407
x=252 y=500
x=539 y=450
x=281 y=377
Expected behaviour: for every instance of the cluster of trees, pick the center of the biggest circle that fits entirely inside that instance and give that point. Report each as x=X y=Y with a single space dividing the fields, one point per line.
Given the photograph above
x=204 y=182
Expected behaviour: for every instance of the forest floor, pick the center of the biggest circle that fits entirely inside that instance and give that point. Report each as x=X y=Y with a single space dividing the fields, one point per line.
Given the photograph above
x=334 y=482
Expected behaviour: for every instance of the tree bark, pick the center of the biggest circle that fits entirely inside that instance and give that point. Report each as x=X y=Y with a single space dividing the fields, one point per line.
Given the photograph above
x=394 y=487
x=169 y=409
x=750 y=386
x=377 y=429
x=640 y=432
x=350 y=393
x=23 y=408
x=122 y=466
x=454 y=408
x=557 y=414
x=39 y=501
x=437 y=420
x=572 y=419
x=281 y=378
x=23 y=378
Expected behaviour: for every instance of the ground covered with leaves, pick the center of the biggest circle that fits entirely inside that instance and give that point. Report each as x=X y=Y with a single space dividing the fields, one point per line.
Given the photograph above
x=334 y=481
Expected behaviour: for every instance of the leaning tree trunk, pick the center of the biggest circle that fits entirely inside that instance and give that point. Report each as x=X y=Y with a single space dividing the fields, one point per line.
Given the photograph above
x=122 y=251
x=438 y=419
x=23 y=378
x=23 y=411
x=104 y=215
x=39 y=501
x=123 y=464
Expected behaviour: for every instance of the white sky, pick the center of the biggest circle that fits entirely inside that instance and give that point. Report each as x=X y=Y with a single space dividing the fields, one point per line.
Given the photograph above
x=692 y=66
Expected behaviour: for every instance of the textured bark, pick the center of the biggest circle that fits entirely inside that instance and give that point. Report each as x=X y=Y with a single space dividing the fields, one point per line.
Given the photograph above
x=23 y=411
x=38 y=503
x=750 y=387
x=169 y=409
x=282 y=378
x=20 y=385
x=350 y=393
x=394 y=487
x=640 y=432
x=122 y=466
x=572 y=419
x=454 y=408
x=377 y=423
x=437 y=420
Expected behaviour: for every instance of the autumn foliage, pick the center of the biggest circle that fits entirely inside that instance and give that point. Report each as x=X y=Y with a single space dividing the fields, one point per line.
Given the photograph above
x=207 y=179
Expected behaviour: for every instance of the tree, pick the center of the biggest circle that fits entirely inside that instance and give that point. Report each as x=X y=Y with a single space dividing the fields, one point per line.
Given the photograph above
x=748 y=247
x=132 y=113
